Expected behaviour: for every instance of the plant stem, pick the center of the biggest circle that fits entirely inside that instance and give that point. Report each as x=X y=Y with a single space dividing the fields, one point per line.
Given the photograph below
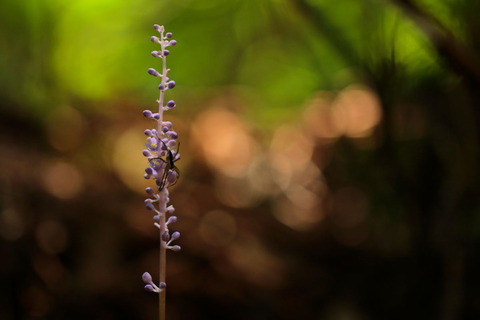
x=163 y=265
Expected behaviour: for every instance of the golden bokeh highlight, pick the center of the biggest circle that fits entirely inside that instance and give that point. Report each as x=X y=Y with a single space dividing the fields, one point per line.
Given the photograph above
x=62 y=179
x=290 y=152
x=356 y=111
x=223 y=141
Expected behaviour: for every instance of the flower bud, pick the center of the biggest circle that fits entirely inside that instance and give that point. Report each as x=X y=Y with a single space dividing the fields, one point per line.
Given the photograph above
x=149 y=288
x=147 y=114
x=153 y=72
x=146 y=277
x=175 y=236
x=171 y=219
x=171 y=104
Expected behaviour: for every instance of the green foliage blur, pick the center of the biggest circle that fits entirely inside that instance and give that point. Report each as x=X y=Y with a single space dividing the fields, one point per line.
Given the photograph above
x=330 y=154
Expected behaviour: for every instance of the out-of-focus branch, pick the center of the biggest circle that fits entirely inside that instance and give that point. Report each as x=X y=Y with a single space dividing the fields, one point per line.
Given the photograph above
x=322 y=24
x=456 y=55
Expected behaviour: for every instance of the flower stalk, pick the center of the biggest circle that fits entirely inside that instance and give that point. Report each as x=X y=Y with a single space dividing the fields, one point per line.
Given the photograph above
x=161 y=156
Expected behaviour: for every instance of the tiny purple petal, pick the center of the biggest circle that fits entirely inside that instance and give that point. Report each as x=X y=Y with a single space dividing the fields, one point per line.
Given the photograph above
x=155 y=53
x=154 y=39
x=158 y=28
x=172 y=42
x=166 y=52
x=149 y=191
x=171 y=143
x=146 y=153
x=176 y=248
x=148 y=132
x=153 y=72
x=156 y=116
x=161 y=87
x=168 y=35
x=171 y=84
x=172 y=176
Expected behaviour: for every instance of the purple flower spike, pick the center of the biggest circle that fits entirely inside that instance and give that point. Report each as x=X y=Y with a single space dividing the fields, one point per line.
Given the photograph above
x=161 y=153
x=171 y=84
x=153 y=72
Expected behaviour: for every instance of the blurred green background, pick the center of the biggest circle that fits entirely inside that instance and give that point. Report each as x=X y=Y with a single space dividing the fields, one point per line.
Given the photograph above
x=330 y=154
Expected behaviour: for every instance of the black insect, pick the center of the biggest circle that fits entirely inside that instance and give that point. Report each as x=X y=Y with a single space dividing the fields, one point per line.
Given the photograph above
x=169 y=162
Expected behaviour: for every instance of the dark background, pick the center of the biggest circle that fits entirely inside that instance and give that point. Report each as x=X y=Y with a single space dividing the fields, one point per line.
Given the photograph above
x=329 y=170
